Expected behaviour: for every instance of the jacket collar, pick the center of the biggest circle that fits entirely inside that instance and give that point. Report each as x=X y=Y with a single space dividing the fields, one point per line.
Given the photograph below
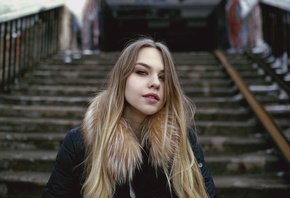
x=124 y=152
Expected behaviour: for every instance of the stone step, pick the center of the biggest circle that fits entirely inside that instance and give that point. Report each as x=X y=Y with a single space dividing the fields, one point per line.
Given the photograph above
x=249 y=163
x=77 y=68
x=254 y=185
x=96 y=61
x=56 y=90
x=27 y=160
x=216 y=145
x=61 y=81
x=60 y=90
x=70 y=74
x=222 y=113
x=101 y=82
x=272 y=100
x=233 y=128
x=206 y=83
x=10 y=124
x=77 y=112
x=45 y=100
x=219 y=102
x=212 y=145
x=31 y=141
x=251 y=75
x=38 y=111
x=183 y=69
x=210 y=92
x=279 y=111
x=246 y=67
x=101 y=74
x=265 y=90
x=203 y=76
x=39 y=125
x=239 y=61
x=22 y=184
x=235 y=101
x=283 y=122
x=30 y=184
x=191 y=91
x=257 y=81
x=43 y=161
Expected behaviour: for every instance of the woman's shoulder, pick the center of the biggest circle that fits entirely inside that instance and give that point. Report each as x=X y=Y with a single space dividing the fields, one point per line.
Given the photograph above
x=192 y=137
x=74 y=133
x=74 y=140
x=195 y=145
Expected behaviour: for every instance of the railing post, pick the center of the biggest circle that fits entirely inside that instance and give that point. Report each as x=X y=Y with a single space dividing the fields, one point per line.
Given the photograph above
x=20 y=47
x=15 y=49
x=10 y=52
x=4 y=57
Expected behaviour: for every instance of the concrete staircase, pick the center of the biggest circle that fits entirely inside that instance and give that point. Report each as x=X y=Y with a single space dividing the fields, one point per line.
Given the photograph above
x=51 y=100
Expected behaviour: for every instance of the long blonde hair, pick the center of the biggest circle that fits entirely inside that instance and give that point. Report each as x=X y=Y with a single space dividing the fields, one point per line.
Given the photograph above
x=184 y=174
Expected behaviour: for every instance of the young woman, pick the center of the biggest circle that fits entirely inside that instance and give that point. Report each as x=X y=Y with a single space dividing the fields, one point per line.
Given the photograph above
x=135 y=139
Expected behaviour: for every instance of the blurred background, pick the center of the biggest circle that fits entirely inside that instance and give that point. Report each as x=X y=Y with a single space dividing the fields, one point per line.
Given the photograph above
x=56 y=54
x=184 y=24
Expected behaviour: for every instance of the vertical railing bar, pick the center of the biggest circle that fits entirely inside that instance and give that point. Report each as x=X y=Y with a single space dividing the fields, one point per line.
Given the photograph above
x=32 y=41
x=29 y=43
x=15 y=49
x=10 y=53
x=38 y=33
x=49 y=33
x=24 y=43
x=4 y=56
x=20 y=47
x=285 y=28
x=35 y=38
x=57 y=26
x=53 y=31
x=1 y=43
x=45 y=33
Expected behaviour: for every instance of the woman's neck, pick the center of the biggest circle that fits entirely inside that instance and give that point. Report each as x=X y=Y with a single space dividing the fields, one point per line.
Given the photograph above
x=136 y=127
x=135 y=120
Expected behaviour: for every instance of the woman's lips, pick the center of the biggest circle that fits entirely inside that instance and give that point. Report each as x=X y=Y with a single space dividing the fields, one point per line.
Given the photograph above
x=151 y=97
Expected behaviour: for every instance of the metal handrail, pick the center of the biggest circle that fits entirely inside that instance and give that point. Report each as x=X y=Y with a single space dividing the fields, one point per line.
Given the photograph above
x=276 y=20
x=265 y=118
x=24 y=41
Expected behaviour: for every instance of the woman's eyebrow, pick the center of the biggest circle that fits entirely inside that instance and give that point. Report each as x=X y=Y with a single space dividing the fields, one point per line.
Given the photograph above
x=145 y=65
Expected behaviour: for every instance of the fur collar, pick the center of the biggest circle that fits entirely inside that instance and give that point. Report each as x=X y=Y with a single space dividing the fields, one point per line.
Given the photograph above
x=124 y=152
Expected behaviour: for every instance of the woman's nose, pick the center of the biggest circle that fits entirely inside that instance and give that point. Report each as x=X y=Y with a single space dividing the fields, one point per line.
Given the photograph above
x=154 y=82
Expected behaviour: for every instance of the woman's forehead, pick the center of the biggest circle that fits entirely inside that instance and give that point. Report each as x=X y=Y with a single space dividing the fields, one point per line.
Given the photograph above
x=150 y=56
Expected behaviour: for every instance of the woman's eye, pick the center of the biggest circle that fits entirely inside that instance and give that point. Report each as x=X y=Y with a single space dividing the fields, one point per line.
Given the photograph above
x=141 y=72
x=162 y=78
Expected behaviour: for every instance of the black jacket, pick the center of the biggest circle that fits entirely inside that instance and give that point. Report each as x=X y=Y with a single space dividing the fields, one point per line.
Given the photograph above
x=66 y=179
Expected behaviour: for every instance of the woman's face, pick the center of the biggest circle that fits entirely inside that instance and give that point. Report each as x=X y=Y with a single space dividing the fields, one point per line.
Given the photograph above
x=144 y=91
